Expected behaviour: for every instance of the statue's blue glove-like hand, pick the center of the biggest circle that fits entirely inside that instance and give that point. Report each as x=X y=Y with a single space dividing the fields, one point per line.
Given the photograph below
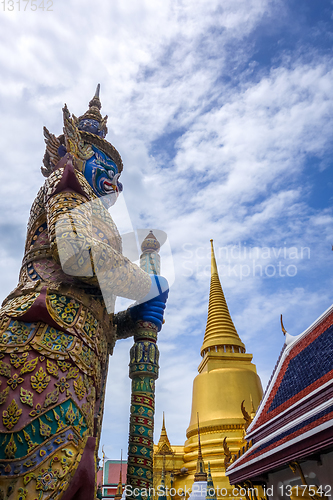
x=151 y=307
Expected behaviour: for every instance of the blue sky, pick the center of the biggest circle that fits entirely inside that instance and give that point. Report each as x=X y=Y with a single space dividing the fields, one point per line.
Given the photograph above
x=222 y=112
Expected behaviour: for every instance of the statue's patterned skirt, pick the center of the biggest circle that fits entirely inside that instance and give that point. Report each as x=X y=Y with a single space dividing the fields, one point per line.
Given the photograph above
x=49 y=380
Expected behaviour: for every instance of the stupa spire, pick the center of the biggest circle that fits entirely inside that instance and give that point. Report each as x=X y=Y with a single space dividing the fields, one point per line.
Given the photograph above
x=119 y=492
x=200 y=474
x=220 y=329
x=210 y=495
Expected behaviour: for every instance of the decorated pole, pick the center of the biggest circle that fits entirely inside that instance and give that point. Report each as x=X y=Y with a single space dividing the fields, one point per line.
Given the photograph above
x=143 y=370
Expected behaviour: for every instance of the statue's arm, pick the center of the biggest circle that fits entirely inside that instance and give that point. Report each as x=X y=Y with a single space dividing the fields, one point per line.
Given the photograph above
x=125 y=324
x=80 y=253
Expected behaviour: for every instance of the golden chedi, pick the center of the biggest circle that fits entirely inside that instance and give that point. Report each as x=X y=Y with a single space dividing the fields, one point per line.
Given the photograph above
x=226 y=378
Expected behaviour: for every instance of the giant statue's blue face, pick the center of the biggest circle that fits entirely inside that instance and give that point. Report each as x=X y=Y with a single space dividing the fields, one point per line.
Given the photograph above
x=102 y=174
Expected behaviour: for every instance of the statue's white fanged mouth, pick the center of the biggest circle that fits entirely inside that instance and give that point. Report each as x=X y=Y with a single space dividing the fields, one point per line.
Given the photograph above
x=108 y=187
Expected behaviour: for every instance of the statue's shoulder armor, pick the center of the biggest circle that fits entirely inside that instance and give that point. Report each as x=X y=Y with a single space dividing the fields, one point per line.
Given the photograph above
x=68 y=178
x=37 y=209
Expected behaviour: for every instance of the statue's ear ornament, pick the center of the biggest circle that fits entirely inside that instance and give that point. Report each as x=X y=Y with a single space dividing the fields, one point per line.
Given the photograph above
x=51 y=156
x=102 y=125
x=73 y=140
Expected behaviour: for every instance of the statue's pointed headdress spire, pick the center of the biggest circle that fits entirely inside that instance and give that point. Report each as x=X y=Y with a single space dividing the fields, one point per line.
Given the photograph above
x=92 y=120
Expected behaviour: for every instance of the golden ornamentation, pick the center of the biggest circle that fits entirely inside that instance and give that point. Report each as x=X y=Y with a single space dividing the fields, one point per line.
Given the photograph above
x=29 y=366
x=56 y=341
x=73 y=373
x=11 y=416
x=60 y=423
x=70 y=415
x=18 y=306
x=79 y=388
x=246 y=416
x=11 y=448
x=35 y=412
x=5 y=369
x=74 y=142
x=90 y=326
x=22 y=494
x=16 y=360
x=51 y=156
x=44 y=429
x=63 y=365
x=3 y=395
x=14 y=381
x=52 y=368
x=26 y=397
x=40 y=380
x=51 y=397
x=62 y=385
x=227 y=454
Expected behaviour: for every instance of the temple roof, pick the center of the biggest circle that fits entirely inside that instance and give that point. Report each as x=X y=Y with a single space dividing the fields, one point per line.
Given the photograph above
x=164 y=446
x=220 y=329
x=295 y=417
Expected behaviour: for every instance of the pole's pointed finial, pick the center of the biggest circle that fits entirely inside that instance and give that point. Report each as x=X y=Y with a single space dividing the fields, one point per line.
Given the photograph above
x=213 y=261
x=282 y=326
x=98 y=88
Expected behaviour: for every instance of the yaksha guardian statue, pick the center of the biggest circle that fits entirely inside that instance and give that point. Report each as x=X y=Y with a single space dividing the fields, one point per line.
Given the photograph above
x=57 y=328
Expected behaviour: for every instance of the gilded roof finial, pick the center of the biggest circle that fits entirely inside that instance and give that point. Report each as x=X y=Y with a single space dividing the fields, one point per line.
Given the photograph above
x=164 y=446
x=200 y=474
x=246 y=416
x=227 y=454
x=253 y=411
x=282 y=326
x=119 y=492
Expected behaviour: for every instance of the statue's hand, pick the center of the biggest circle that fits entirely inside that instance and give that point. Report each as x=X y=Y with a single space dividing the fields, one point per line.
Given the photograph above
x=151 y=307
